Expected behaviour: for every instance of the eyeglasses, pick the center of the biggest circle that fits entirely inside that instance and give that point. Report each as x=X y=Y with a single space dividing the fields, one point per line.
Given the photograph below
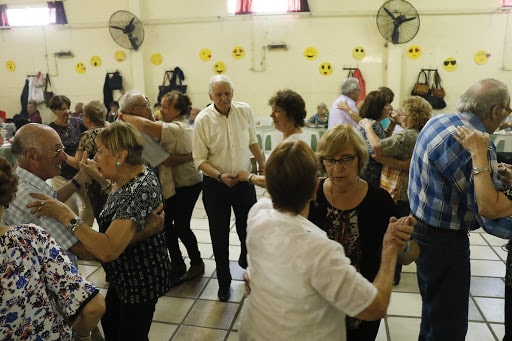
x=344 y=160
x=448 y=62
x=60 y=148
x=508 y=110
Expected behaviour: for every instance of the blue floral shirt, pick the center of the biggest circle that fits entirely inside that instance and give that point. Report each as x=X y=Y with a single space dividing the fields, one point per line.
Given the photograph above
x=32 y=265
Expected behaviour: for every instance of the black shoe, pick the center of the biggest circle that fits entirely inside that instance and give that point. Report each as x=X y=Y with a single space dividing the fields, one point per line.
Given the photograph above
x=396 y=279
x=175 y=281
x=224 y=294
x=178 y=271
x=195 y=271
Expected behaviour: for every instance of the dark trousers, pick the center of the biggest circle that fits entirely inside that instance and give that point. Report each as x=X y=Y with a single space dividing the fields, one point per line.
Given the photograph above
x=178 y=212
x=444 y=272
x=218 y=199
x=508 y=295
x=125 y=321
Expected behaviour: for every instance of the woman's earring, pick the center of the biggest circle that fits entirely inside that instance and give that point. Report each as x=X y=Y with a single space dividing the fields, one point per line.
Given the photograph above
x=118 y=163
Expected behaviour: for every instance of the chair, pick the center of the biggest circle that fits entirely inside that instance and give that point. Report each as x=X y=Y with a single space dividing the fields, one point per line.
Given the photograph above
x=500 y=146
x=271 y=139
x=259 y=136
x=312 y=137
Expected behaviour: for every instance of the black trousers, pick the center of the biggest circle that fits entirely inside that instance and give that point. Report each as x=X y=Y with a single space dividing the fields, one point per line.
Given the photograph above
x=125 y=321
x=508 y=294
x=178 y=212
x=218 y=199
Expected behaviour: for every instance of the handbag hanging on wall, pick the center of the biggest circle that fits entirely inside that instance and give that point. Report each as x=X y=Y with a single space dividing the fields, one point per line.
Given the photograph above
x=170 y=82
x=421 y=87
x=436 y=94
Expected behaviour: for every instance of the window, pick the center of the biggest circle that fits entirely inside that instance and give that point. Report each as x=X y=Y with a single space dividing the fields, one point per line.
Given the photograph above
x=267 y=6
x=29 y=16
x=506 y=3
x=35 y=15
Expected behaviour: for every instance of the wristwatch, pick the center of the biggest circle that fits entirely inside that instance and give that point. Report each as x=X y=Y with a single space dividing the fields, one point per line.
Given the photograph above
x=74 y=223
x=219 y=177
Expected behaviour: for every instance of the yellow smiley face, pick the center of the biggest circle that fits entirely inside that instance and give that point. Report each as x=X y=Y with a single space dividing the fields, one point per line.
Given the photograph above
x=238 y=52
x=359 y=52
x=219 y=68
x=156 y=59
x=205 y=55
x=120 y=56
x=450 y=64
x=414 y=52
x=95 y=61
x=80 y=67
x=10 y=66
x=481 y=57
x=325 y=69
x=310 y=53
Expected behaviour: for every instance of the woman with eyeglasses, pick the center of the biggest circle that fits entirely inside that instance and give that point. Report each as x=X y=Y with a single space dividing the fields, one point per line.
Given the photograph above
x=351 y=211
x=70 y=130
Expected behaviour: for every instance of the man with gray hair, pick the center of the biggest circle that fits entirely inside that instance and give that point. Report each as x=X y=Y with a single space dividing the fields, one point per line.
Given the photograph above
x=441 y=196
x=224 y=139
x=350 y=92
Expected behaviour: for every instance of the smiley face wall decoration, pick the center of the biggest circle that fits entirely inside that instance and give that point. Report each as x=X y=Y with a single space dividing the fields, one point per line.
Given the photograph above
x=450 y=64
x=238 y=52
x=359 y=52
x=414 y=52
x=310 y=53
x=325 y=69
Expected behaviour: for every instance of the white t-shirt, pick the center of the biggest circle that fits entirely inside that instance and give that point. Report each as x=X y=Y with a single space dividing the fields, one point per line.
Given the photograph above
x=302 y=284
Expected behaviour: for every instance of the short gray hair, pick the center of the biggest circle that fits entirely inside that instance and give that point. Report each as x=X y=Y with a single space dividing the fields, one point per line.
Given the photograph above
x=129 y=99
x=219 y=79
x=482 y=96
x=350 y=84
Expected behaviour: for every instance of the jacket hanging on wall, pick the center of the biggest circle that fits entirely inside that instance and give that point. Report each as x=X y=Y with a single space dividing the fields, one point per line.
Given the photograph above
x=113 y=81
x=24 y=100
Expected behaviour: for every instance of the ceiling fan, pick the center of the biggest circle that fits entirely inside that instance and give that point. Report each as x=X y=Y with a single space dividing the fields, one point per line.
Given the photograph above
x=398 y=21
x=126 y=29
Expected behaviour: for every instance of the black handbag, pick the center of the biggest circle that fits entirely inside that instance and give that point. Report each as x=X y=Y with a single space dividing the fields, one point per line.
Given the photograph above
x=435 y=96
x=48 y=91
x=170 y=82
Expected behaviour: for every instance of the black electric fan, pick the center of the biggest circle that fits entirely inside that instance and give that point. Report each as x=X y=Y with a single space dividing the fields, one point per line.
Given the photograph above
x=398 y=21
x=126 y=29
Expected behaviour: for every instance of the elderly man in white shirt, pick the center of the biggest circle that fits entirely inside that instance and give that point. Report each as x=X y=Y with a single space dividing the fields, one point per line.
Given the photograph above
x=224 y=139
x=350 y=92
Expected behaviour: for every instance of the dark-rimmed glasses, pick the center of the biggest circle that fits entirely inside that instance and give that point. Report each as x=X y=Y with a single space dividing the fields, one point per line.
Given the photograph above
x=345 y=160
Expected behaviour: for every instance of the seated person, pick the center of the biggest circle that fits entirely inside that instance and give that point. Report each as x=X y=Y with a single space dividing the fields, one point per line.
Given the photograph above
x=321 y=118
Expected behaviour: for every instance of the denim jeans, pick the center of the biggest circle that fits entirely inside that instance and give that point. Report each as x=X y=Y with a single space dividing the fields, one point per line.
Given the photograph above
x=444 y=274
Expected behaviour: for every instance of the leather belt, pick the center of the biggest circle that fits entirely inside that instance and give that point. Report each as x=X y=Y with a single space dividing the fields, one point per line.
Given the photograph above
x=442 y=232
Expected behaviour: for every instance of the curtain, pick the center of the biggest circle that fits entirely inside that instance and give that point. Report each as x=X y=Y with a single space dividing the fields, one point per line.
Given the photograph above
x=57 y=13
x=3 y=16
x=243 y=7
x=298 y=6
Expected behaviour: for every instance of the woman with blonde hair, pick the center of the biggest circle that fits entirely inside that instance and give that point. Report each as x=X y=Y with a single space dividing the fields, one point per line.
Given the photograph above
x=136 y=264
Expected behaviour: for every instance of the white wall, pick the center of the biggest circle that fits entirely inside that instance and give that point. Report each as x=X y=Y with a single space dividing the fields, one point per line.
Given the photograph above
x=179 y=29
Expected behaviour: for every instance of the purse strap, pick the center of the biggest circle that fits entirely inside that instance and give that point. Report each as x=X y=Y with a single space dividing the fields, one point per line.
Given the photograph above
x=167 y=78
x=437 y=80
x=425 y=76
x=48 y=83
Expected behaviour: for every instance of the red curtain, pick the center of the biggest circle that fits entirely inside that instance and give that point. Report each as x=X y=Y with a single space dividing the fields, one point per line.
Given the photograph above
x=57 y=13
x=298 y=6
x=243 y=7
x=3 y=16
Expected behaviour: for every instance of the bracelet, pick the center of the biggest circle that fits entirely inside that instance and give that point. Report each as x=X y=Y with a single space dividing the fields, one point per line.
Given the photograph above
x=219 y=177
x=249 y=179
x=76 y=183
x=406 y=250
x=107 y=187
x=477 y=170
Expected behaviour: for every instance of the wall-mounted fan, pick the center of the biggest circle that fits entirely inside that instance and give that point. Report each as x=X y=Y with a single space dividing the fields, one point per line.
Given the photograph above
x=398 y=21
x=126 y=29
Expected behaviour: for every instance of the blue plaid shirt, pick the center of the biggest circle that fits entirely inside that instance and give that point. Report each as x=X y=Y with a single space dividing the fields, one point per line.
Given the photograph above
x=441 y=190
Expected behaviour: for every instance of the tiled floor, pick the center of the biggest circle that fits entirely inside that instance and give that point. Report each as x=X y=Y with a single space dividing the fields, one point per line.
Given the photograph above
x=193 y=312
